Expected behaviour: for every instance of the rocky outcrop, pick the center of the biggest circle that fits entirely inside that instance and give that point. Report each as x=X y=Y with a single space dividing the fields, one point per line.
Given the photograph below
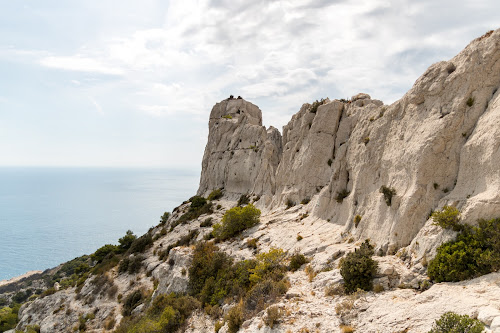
x=241 y=156
x=437 y=145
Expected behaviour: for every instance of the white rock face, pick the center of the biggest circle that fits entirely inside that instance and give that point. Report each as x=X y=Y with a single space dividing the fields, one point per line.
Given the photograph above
x=437 y=145
x=241 y=155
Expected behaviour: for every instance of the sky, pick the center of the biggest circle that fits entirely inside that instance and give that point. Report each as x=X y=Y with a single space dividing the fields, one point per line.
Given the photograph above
x=131 y=83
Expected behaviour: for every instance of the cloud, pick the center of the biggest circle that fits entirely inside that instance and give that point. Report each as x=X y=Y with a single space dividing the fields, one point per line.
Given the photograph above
x=273 y=51
x=80 y=64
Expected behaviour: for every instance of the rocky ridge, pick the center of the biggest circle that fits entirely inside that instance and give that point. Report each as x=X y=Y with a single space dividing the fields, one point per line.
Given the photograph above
x=436 y=146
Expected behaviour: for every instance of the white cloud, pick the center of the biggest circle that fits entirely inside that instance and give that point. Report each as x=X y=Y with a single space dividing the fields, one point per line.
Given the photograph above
x=273 y=51
x=80 y=64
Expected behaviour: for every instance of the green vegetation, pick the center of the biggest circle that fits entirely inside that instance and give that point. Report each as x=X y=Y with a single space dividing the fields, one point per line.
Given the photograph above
x=451 y=322
x=105 y=251
x=243 y=200
x=129 y=238
x=447 y=218
x=164 y=218
x=316 y=104
x=215 y=277
x=296 y=261
x=305 y=201
x=358 y=268
x=388 y=193
x=8 y=317
x=475 y=252
x=289 y=203
x=215 y=194
x=357 y=219
x=236 y=220
x=342 y=195
x=470 y=101
x=198 y=207
x=168 y=313
x=227 y=116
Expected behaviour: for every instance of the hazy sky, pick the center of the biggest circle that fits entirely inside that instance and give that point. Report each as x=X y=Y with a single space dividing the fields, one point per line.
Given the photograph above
x=132 y=83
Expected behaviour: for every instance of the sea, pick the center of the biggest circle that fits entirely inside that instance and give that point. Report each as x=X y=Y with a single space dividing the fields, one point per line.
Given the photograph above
x=51 y=215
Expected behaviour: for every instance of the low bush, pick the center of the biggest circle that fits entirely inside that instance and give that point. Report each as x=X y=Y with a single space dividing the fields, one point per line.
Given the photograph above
x=105 y=251
x=206 y=223
x=296 y=261
x=8 y=317
x=451 y=322
x=131 y=264
x=388 y=193
x=243 y=200
x=475 y=252
x=342 y=195
x=141 y=244
x=447 y=218
x=215 y=194
x=357 y=219
x=236 y=220
x=234 y=318
x=132 y=301
x=305 y=201
x=274 y=314
x=164 y=218
x=289 y=203
x=316 y=104
x=127 y=240
x=168 y=313
x=358 y=268
x=198 y=207
x=269 y=265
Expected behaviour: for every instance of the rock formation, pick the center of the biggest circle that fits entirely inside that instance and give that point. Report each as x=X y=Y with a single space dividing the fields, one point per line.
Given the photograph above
x=437 y=145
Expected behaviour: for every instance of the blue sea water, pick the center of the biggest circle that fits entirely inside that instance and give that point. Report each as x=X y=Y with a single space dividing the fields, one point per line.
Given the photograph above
x=52 y=215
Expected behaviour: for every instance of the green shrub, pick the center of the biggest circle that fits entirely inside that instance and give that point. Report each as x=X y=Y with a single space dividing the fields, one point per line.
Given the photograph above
x=215 y=194
x=131 y=265
x=243 y=200
x=358 y=268
x=132 y=301
x=8 y=317
x=198 y=207
x=451 y=322
x=127 y=240
x=342 y=195
x=105 y=251
x=388 y=193
x=236 y=220
x=305 y=201
x=234 y=318
x=168 y=313
x=141 y=244
x=164 y=218
x=296 y=261
x=274 y=314
x=470 y=101
x=206 y=223
x=269 y=265
x=357 y=219
x=316 y=104
x=475 y=252
x=447 y=218
x=289 y=203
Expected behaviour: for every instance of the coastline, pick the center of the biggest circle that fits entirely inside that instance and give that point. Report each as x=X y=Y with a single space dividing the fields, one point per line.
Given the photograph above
x=18 y=278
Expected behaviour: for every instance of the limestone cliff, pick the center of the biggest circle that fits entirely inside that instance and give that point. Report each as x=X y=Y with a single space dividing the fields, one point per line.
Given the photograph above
x=241 y=155
x=437 y=145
